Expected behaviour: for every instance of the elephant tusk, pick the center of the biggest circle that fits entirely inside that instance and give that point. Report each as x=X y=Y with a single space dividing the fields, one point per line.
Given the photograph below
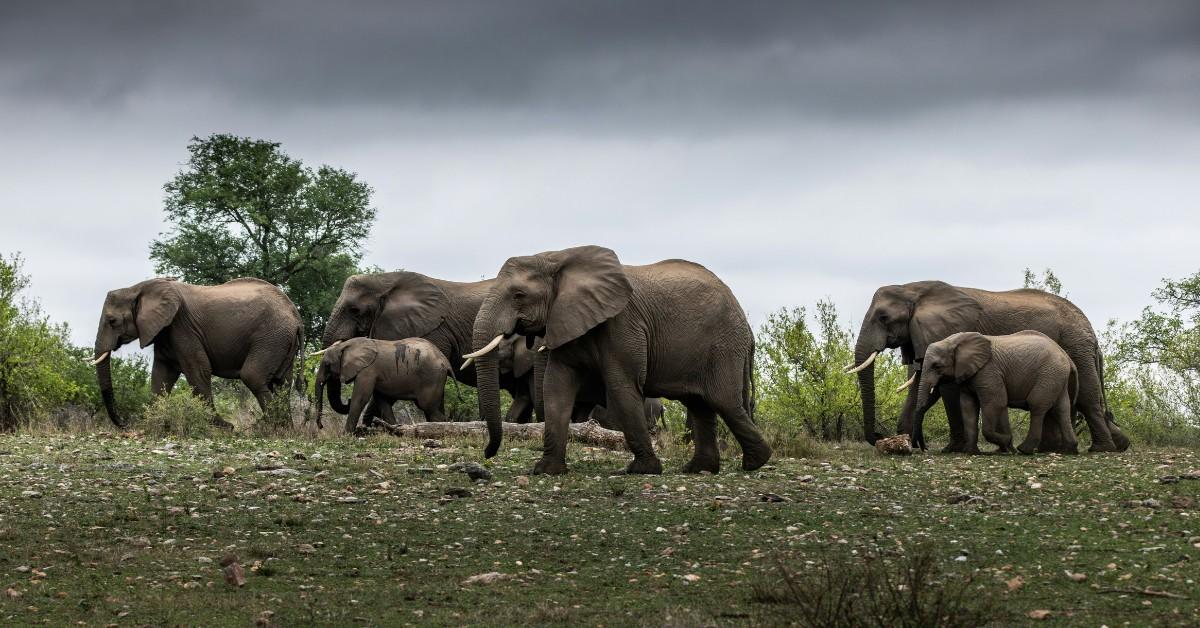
x=488 y=348
x=315 y=353
x=933 y=389
x=103 y=357
x=867 y=362
x=907 y=384
x=466 y=364
x=541 y=348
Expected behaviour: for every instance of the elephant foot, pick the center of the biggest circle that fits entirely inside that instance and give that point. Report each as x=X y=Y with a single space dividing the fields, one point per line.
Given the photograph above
x=649 y=465
x=755 y=455
x=549 y=466
x=954 y=448
x=222 y=424
x=698 y=464
x=1027 y=448
x=1103 y=447
x=1120 y=440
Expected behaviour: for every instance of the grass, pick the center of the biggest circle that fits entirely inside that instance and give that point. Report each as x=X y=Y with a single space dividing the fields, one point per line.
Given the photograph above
x=109 y=529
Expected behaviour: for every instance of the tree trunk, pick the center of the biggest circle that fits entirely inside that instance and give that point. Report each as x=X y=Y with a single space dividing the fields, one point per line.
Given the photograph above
x=588 y=432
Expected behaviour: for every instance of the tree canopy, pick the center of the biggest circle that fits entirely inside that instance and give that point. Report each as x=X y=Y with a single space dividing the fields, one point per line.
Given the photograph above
x=243 y=208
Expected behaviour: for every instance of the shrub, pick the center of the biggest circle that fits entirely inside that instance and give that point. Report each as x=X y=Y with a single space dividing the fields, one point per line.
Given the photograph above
x=130 y=377
x=180 y=413
x=911 y=589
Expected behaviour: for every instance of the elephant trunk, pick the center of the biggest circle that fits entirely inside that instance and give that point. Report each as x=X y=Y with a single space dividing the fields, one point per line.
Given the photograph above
x=487 y=371
x=866 y=385
x=320 y=391
x=927 y=395
x=105 y=344
x=333 y=392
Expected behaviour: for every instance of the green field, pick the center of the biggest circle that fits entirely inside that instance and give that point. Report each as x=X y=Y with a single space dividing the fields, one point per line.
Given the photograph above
x=103 y=529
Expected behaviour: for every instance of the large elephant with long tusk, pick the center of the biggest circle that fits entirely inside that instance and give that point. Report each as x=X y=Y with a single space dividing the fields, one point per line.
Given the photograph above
x=911 y=316
x=245 y=329
x=403 y=304
x=616 y=334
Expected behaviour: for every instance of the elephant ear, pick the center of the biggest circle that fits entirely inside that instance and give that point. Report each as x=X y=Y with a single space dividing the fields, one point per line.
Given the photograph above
x=157 y=304
x=940 y=311
x=355 y=358
x=412 y=307
x=591 y=287
x=971 y=352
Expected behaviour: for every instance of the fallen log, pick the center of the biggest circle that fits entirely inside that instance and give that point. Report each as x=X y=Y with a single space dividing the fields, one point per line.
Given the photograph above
x=588 y=433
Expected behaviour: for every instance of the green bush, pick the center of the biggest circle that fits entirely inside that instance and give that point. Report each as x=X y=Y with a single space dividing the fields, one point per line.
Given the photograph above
x=35 y=354
x=130 y=378
x=180 y=413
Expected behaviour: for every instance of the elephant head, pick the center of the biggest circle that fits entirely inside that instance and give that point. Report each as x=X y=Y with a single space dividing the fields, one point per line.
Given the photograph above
x=559 y=295
x=340 y=364
x=139 y=312
x=958 y=358
x=908 y=317
x=386 y=305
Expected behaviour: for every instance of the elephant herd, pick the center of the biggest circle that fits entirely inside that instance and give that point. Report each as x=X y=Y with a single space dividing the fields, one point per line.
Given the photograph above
x=575 y=332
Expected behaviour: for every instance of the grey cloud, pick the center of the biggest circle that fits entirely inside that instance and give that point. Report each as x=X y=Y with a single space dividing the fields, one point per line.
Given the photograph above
x=668 y=61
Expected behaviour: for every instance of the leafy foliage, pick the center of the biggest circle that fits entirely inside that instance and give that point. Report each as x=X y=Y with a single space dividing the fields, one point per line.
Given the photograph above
x=244 y=208
x=130 y=378
x=1048 y=282
x=801 y=378
x=180 y=413
x=34 y=353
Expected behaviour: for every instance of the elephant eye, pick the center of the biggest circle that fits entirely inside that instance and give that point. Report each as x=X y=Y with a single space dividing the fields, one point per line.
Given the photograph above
x=883 y=318
x=518 y=295
x=112 y=320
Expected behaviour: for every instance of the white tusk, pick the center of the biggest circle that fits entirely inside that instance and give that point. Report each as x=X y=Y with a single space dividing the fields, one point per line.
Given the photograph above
x=907 y=384
x=466 y=364
x=325 y=349
x=103 y=357
x=933 y=389
x=867 y=362
x=541 y=348
x=487 y=349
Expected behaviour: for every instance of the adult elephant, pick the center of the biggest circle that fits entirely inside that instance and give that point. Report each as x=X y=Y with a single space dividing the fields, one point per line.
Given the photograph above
x=245 y=329
x=615 y=335
x=403 y=304
x=912 y=316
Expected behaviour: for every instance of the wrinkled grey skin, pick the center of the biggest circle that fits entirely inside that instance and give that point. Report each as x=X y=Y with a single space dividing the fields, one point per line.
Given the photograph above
x=616 y=335
x=402 y=304
x=652 y=407
x=912 y=316
x=1026 y=370
x=384 y=371
x=245 y=329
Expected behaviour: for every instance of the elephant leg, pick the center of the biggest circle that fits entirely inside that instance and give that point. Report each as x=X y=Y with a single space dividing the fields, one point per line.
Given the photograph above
x=907 y=424
x=996 y=429
x=162 y=377
x=386 y=413
x=1061 y=415
x=625 y=405
x=521 y=407
x=1091 y=404
x=958 y=440
x=432 y=404
x=755 y=450
x=970 y=421
x=702 y=422
x=1052 y=438
x=1033 y=439
x=559 y=390
x=363 y=391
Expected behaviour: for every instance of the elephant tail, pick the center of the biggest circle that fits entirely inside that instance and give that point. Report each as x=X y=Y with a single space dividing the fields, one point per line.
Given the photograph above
x=749 y=389
x=1073 y=384
x=299 y=383
x=1103 y=392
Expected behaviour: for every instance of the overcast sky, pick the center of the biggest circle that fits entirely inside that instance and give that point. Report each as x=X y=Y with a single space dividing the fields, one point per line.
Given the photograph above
x=798 y=150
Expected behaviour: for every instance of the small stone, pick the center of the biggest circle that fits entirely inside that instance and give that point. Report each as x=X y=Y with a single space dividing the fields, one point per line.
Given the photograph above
x=474 y=470
x=772 y=498
x=420 y=470
x=522 y=481
x=1169 y=479
x=23 y=569
x=691 y=577
x=487 y=578
x=1151 y=503
x=457 y=492
x=299 y=455
x=306 y=548
x=31 y=494
x=348 y=500
x=432 y=443
x=203 y=559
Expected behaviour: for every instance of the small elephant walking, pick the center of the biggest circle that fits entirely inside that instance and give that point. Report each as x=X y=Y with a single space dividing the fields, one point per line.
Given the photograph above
x=243 y=329
x=385 y=371
x=1025 y=370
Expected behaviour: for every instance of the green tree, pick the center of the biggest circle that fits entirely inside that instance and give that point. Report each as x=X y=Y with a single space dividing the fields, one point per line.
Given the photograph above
x=801 y=378
x=34 y=353
x=243 y=208
x=1048 y=282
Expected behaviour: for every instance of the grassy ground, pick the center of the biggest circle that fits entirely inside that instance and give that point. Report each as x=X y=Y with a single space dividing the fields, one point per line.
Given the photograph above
x=102 y=529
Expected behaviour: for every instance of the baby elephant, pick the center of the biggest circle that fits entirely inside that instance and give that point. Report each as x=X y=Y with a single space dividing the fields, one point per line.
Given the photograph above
x=1025 y=370
x=387 y=371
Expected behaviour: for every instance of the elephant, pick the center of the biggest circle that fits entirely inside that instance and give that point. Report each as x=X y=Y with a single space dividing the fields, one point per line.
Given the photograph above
x=653 y=409
x=403 y=304
x=1025 y=370
x=614 y=335
x=912 y=316
x=244 y=329
x=385 y=371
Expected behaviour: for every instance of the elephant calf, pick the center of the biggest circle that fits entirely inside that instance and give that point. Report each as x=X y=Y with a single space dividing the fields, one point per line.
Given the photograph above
x=1025 y=370
x=653 y=408
x=385 y=371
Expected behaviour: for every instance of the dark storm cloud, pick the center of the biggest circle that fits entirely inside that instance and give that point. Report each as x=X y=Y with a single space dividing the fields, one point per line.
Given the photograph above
x=615 y=58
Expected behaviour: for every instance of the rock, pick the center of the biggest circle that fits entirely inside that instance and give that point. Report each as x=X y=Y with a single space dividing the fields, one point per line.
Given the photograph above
x=31 y=494
x=457 y=492
x=691 y=577
x=280 y=471
x=522 y=481
x=474 y=470
x=420 y=470
x=1151 y=503
x=299 y=456
x=234 y=574
x=306 y=548
x=223 y=472
x=772 y=498
x=1038 y=614
x=432 y=443
x=486 y=578
x=898 y=445
x=1182 y=502
x=1169 y=479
